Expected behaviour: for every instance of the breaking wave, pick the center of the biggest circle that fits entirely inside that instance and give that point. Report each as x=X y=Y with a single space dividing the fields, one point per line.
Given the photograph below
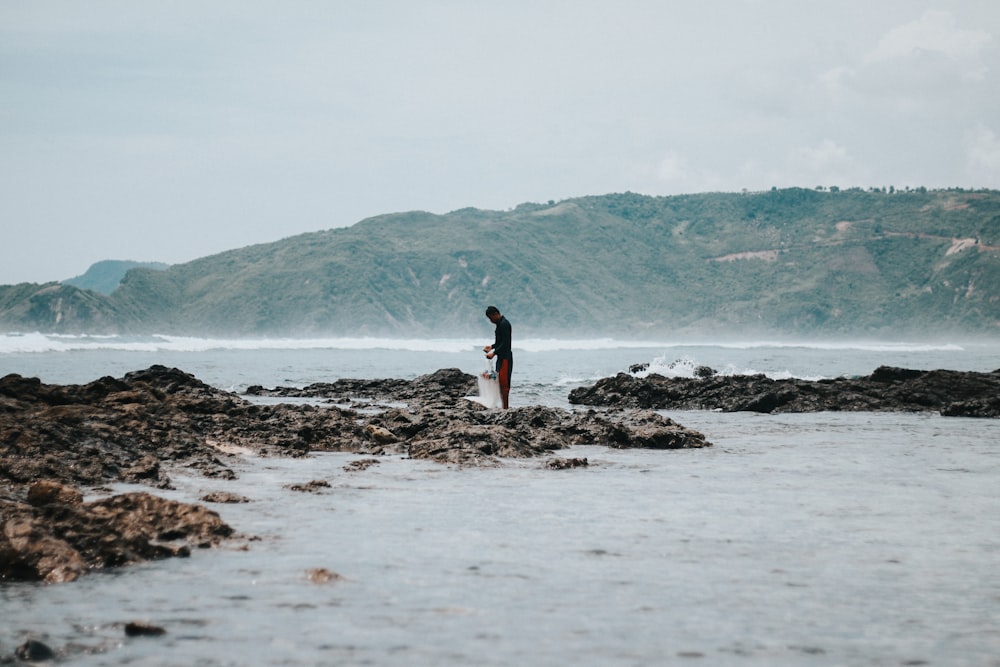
x=686 y=367
x=13 y=343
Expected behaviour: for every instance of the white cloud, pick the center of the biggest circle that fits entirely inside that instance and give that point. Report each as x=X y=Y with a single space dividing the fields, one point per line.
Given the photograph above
x=934 y=31
x=983 y=156
x=677 y=174
x=823 y=156
x=836 y=81
x=926 y=68
x=673 y=168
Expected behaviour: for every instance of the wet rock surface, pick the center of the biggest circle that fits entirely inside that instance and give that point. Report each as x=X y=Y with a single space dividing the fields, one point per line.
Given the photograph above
x=58 y=439
x=34 y=651
x=437 y=424
x=469 y=434
x=558 y=463
x=57 y=541
x=444 y=386
x=141 y=629
x=951 y=393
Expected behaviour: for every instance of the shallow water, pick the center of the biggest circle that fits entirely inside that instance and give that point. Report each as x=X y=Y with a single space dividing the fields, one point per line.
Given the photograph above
x=830 y=539
x=826 y=539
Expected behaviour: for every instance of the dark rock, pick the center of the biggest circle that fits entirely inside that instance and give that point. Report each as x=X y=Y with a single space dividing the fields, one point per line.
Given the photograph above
x=45 y=491
x=380 y=434
x=224 y=497
x=34 y=651
x=146 y=469
x=360 y=464
x=447 y=384
x=892 y=374
x=310 y=487
x=959 y=393
x=140 y=629
x=641 y=429
x=321 y=575
x=469 y=434
x=558 y=463
x=988 y=406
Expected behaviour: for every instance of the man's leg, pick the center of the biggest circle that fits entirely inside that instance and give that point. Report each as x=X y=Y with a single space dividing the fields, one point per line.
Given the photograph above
x=503 y=375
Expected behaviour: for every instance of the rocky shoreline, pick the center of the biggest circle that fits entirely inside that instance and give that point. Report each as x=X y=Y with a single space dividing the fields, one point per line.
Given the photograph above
x=59 y=441
x=949 y=393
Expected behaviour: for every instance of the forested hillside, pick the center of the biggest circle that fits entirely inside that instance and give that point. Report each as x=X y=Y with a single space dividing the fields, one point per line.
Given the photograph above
x=791 y=261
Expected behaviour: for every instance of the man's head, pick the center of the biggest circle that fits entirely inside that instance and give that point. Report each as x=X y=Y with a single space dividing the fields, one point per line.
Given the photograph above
x=494 y=314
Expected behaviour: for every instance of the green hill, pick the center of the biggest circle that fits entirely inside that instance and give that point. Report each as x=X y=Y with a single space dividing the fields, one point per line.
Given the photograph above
x=104 y=276
x=791 y=261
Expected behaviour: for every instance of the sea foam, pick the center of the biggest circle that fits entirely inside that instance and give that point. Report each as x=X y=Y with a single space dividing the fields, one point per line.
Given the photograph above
x=27 y=343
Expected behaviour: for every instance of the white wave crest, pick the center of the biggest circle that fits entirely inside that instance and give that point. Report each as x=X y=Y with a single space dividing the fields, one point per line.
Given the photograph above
x=13 y=343
x=686 y=367
x=869 y=346
x=41 y=343
x=583 y=345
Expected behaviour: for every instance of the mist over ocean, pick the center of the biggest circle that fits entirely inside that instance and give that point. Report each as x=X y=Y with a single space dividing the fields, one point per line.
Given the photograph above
x=235 y=363
x=820 y=539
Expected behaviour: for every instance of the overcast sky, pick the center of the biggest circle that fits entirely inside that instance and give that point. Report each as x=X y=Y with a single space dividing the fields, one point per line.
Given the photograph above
x=167 y=131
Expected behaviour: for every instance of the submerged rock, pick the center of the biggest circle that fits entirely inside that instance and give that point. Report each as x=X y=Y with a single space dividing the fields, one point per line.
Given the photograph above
x=559 y=463
x=224 y=497
x=959 y=393
x=321 y=575
x=142 y=629
x=314 y=486
x=361 y=464
x=34 y=651
x=59 y=541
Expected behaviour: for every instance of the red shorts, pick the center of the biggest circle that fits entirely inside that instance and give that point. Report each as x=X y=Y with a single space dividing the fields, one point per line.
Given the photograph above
x=503 y=373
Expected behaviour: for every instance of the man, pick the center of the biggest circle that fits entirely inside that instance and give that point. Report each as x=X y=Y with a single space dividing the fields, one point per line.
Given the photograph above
x=500 y=350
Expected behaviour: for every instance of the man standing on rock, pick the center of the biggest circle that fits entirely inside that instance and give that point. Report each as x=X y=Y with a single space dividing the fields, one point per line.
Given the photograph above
x=500 y=350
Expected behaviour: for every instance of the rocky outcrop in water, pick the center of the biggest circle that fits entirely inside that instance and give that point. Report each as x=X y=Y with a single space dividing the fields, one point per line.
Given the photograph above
x=471 y=434
x=443 y=386
x=951 y=393
x=56 y=537
x=437 y=424
x=149 y=423
x=56 y=439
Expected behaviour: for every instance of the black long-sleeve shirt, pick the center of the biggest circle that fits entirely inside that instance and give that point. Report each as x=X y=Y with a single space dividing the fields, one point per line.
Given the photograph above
x=501 y=344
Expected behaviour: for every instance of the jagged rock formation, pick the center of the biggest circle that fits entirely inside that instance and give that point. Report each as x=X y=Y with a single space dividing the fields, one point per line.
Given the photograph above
x=952 y=393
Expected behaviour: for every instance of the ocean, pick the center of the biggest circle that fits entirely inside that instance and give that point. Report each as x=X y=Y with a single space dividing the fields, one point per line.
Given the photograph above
x=807 y=539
